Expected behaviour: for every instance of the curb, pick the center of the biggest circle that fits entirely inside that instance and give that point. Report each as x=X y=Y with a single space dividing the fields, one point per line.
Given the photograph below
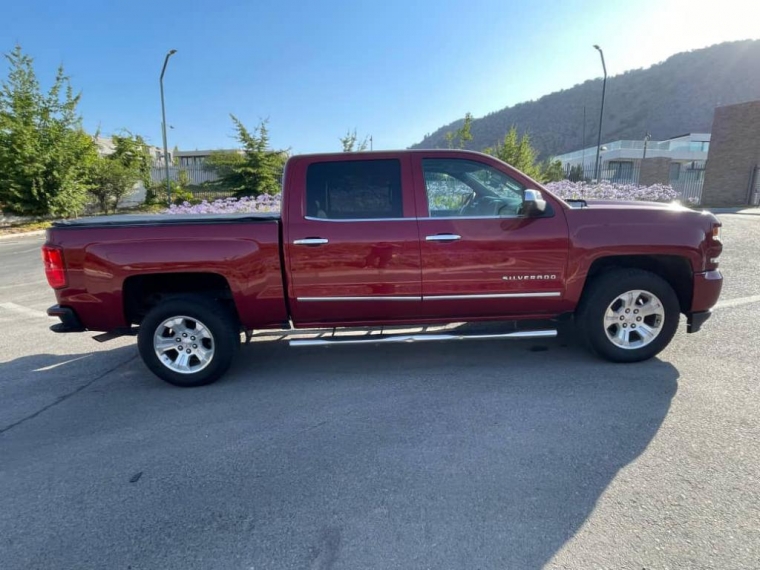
x=746 y=211
x=23 y=234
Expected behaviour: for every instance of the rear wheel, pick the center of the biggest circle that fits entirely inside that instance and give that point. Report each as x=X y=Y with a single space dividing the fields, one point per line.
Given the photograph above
x=628 y=315
x=188 y=340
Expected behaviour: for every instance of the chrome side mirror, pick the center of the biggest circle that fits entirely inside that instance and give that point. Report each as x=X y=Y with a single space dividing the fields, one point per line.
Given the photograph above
x=533 y=204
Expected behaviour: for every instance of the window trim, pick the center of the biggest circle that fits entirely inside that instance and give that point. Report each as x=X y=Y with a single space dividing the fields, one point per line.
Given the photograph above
x=313 y=219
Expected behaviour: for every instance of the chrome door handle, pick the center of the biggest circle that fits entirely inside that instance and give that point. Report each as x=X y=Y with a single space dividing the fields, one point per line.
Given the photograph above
x=443 y=237
x=310 y=241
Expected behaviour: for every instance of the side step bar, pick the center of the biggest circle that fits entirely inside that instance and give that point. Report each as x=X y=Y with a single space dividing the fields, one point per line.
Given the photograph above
x=383 y=339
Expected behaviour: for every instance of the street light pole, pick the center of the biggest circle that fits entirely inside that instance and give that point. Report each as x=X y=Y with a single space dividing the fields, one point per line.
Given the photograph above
x=601 y=113
x=163 y=125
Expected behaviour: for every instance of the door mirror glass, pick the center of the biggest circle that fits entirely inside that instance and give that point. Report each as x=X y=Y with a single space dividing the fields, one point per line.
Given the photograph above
x=534 y=204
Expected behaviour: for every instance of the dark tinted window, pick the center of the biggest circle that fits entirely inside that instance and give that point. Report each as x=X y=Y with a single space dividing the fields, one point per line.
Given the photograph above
x=355 y=189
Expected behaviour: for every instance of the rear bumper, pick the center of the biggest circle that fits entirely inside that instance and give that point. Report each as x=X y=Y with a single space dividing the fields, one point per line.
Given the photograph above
x=69 y=320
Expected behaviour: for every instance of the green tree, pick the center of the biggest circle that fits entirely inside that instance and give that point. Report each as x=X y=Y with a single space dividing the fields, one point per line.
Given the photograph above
x=462 y=135
x=517 y=151
x=114 y=176
x=576 y=173
x=110 y=181
x=351 y=142
x=257 y=170
x=552 y=171
x=45 y=155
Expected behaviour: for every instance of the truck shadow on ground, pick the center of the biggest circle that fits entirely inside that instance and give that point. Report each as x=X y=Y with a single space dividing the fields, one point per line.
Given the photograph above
x=485 y=454
x=461 y=455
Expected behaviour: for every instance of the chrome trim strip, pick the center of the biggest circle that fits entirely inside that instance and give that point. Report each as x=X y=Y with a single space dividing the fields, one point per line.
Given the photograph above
x=443 y=237
x=491 y=296
x=409 y=219
x=426 y=218
x=310 y=241
x=420 y=338
x=313 y=219
x=376 y=298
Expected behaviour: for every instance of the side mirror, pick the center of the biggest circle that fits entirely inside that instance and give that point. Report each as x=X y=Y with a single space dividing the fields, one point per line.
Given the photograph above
x=533 y=204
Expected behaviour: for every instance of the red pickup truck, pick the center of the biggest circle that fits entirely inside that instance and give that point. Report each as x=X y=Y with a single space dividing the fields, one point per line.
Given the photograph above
x=380 y=239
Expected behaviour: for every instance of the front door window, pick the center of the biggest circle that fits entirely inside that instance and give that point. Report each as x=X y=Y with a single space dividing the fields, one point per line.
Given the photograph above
x=458 y=188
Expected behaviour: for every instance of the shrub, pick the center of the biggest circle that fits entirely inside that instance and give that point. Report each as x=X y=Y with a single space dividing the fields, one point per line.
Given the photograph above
x=610 y=191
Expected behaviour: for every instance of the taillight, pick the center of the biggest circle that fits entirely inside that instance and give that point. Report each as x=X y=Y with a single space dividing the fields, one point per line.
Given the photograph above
x=55 y=271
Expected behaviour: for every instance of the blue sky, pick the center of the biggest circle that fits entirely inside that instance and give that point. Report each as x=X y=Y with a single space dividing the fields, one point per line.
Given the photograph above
x=393 y=69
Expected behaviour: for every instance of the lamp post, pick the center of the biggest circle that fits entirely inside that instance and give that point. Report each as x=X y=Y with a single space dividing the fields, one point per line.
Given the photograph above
x=163 y=125
x=601 y=113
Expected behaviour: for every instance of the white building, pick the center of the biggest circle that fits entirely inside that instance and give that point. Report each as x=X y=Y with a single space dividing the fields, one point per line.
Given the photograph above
x=621 y=160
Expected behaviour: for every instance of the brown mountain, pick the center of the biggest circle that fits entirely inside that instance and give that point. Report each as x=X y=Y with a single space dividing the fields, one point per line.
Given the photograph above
x=671 y=98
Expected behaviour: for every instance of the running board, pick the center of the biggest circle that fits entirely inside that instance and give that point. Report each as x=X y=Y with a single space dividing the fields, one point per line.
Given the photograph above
x=383 y=339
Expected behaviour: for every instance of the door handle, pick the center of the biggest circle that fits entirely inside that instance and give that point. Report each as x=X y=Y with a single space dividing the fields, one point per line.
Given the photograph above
x=443 y=237
x=310 y=241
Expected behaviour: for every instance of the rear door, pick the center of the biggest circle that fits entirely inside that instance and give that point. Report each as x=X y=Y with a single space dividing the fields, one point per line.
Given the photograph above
x=480 y=256
x=351 y=240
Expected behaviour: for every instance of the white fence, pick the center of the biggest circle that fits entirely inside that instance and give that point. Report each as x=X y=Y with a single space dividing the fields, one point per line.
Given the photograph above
x=196 y=175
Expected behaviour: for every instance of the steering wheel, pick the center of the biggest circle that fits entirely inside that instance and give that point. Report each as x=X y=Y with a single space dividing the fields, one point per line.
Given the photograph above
x=467 y=203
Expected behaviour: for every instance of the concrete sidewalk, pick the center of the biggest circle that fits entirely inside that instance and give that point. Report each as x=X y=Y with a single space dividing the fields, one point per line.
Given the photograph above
x=744 y=210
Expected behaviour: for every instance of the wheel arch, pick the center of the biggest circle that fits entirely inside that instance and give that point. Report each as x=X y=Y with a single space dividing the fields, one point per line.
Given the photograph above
x=143 y=292
x=674 y=269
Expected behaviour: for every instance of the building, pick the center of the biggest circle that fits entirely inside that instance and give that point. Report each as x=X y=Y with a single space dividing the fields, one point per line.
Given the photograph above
x=621 y=160
x=732 y=177
x=678 y=161
x=105 y=147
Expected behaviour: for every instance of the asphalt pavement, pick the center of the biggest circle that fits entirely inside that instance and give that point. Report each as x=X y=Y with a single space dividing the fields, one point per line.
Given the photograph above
x=490 y=455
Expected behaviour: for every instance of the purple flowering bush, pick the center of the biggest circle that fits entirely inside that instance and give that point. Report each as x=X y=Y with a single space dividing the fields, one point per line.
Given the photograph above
x=564 y=189
x=245 y=205
x=613 y=191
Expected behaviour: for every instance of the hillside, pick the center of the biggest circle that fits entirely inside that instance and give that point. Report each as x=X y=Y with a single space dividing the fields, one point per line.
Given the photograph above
x=671 y=98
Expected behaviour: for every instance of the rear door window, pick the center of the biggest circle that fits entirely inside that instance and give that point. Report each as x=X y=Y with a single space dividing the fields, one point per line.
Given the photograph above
x=354 y=190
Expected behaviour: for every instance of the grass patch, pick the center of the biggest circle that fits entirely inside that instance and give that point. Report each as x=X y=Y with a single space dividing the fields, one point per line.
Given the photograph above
x=25 y=227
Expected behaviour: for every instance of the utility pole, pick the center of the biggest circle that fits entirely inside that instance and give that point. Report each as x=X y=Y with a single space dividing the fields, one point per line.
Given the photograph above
x=601 y=113
x=583 y=145
x=163 y=125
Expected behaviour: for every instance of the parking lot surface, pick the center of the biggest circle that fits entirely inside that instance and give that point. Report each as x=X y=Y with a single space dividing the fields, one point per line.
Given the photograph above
x=493 y=454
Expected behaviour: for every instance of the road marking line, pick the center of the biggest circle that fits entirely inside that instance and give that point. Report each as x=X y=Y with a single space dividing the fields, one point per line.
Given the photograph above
x=15 y=285
x=738 y=302
x=46 y=368
x=23 y=310
x=23 y=251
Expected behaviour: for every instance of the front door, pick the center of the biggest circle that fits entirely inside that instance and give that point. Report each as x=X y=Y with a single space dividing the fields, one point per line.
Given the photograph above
x=352 y=241
x=480 y=256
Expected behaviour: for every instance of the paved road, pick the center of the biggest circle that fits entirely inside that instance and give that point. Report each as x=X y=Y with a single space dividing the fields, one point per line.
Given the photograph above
x=471 y=455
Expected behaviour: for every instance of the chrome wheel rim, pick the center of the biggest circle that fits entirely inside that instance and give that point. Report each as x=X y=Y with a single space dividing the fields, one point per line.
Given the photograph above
x=634 y=319
x=184 y=344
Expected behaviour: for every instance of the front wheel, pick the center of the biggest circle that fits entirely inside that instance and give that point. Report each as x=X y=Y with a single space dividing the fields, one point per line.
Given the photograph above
x=628 y=315
x=188 y=340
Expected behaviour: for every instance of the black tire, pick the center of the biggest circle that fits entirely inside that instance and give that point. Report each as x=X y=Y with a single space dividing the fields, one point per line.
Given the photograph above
x=215 y=317
x=603 y=291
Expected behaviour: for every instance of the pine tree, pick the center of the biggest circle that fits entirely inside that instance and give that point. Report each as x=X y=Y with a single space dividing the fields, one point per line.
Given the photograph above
x=45 y=156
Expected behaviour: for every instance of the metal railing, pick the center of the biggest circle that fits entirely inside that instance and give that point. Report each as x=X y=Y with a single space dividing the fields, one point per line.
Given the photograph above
x=196 y=175
x=687 y=180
